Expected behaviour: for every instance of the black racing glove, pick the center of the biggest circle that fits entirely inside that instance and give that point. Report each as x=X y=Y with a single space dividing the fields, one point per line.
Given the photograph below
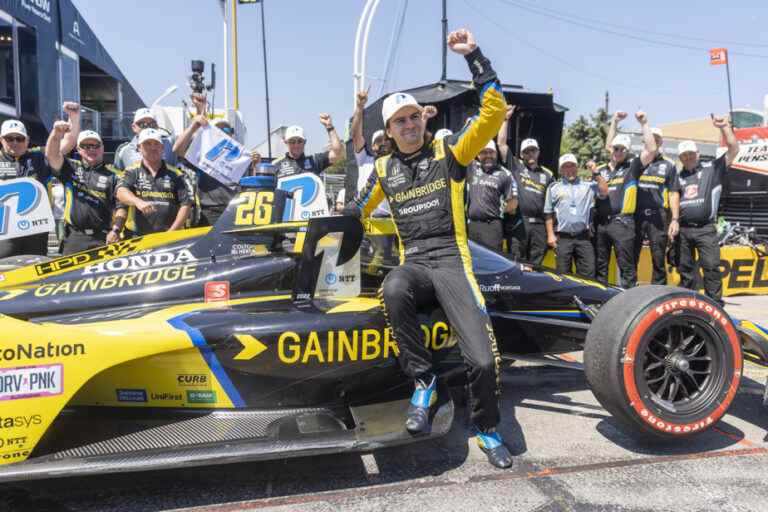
x=481 y=69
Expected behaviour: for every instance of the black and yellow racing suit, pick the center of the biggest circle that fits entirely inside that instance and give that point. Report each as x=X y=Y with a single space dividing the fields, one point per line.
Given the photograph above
x=425 y=191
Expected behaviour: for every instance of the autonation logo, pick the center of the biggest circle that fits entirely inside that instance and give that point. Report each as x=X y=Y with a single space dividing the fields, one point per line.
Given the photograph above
x=40 y=8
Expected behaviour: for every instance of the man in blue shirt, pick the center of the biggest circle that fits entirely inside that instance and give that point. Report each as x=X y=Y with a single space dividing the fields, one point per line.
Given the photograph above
x=571 y=201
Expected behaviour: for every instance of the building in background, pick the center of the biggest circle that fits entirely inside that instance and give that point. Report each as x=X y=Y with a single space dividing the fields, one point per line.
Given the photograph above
x=48 y=55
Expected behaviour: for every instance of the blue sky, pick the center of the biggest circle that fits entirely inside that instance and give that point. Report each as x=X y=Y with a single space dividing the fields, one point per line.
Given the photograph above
x=310 y=45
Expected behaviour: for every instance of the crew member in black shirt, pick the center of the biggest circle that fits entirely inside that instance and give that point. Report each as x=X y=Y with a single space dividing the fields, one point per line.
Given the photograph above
x=525 y=232
x=156 y=194
x=296 y=162
x=615 y=213
x=701 y=185
x=89 y=187
x=489 y=186
x=657 y=203
x=18 y=160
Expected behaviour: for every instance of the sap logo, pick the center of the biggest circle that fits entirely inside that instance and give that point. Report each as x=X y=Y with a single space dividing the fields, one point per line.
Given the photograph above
x=20 y=421
x=28 y=197
x=225 y=147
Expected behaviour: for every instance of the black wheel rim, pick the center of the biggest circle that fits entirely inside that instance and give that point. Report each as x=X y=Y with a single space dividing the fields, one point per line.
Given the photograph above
x=681 y=367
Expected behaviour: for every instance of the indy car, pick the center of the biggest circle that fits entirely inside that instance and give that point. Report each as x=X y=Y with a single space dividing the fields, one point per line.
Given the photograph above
x=263 y=338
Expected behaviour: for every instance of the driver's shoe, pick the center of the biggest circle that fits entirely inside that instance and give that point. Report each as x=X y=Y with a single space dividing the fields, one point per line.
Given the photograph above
x=424 y=396
x=493 y=446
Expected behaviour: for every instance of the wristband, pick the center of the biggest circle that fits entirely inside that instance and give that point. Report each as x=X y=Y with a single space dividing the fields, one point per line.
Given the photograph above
x=330 y=128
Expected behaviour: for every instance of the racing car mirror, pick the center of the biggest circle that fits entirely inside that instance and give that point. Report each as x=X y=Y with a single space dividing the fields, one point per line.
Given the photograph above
x=330 y=260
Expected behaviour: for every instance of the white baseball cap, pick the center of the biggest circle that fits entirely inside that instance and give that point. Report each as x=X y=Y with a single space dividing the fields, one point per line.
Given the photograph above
x=621 y=139
x=568 y=158
x=150 y=134
x=686 y=146
x=88 y=134
x=528 y=143
x=143 y=113
x=657 y=131
x=489 y=145
x=294 y=132
x=376 y=135
x=13 y=126
x=442 y=133
x=396 y=102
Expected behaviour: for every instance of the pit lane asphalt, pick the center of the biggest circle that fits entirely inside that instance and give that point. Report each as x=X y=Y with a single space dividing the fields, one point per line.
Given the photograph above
x=570 y=455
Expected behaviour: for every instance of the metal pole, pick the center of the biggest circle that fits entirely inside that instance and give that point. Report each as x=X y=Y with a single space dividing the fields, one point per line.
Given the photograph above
x=443 y=77
x=728 y=73
x=226 y=56
x=266 y=79
x=236 y=98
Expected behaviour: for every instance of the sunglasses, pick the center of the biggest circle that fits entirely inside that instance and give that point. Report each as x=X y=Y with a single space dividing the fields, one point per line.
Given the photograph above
x=227 y=129
x=619 y=148
x=15 y=139
x=146 y=124
x=90 y=147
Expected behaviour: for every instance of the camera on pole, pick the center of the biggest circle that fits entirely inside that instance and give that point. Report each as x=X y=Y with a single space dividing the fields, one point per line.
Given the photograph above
x=197 y=78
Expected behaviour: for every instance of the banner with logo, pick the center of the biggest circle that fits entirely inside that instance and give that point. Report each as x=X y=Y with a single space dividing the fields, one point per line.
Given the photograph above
x=309 y=198
x=336 y=280
x=219 y=155
x=24 y=209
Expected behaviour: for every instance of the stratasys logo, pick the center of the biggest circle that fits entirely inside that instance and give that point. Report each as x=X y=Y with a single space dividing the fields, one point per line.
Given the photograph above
x=140 y=261
x=20 y=421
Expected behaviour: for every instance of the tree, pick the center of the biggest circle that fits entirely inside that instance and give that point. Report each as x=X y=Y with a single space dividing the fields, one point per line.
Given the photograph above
x=585 y=138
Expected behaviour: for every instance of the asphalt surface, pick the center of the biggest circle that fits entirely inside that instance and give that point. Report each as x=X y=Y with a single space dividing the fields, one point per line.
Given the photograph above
x=570 y=455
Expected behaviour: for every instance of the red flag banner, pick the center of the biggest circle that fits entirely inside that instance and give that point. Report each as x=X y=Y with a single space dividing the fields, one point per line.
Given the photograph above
x=718 y=56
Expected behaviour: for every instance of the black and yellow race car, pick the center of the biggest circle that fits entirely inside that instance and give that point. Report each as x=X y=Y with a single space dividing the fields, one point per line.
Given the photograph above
x=235 y=342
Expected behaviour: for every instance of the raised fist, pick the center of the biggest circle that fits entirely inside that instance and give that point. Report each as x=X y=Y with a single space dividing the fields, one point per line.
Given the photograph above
x=199 y=101
x=619 y=115
x=61 y=127
x=429 y=112
x=510 y=112
x=720 y=122
x=71 y=107
x=641 y=117
x=461 y=41
x=362 y=99
x=325 y=120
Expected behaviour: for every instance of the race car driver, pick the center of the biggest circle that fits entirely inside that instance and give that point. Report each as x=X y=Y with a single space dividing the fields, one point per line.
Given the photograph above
x=424 y=183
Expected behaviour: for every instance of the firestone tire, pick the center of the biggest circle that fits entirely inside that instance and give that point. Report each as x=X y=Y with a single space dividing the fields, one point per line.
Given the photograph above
x=664 y=361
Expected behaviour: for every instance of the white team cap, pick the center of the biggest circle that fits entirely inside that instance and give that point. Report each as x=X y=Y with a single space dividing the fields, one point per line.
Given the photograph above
x=657 y=131
x=150 y=134
x=568 y=158
x=686 y=146
x=143 y=113
x=528 y=143
x=621 y=139
x=490 y=146
x=13 y=126
x=88 y=135
x=442 y=133
x=396 y=102
x=294 y=132
x=376 y=135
